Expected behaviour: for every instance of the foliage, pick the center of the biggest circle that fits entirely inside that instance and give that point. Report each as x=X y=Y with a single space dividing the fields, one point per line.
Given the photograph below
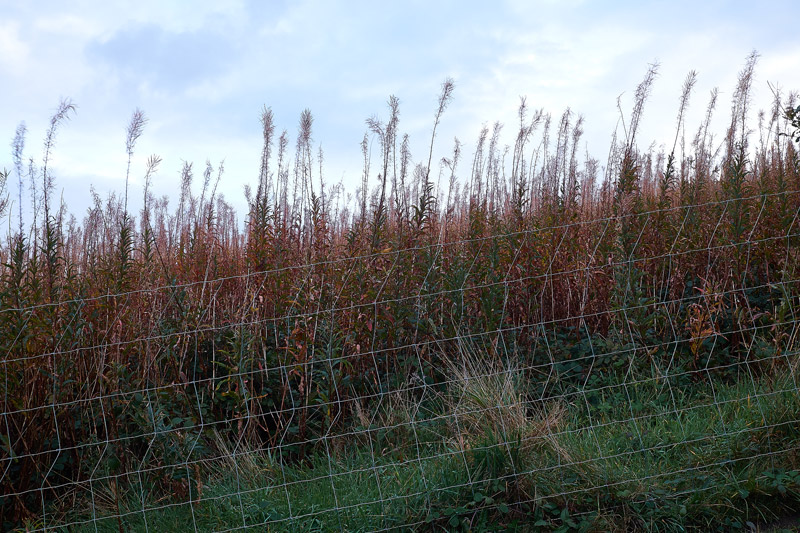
x=792 y=114
x=505 y=322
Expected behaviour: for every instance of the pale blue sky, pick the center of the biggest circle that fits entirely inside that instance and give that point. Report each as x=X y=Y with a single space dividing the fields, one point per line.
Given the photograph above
x=202 y=70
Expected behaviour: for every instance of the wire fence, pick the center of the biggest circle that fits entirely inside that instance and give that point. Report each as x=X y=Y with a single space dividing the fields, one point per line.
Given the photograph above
x=634 y=370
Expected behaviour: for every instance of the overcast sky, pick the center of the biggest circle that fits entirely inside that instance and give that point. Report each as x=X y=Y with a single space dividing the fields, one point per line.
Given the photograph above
x=201 y=71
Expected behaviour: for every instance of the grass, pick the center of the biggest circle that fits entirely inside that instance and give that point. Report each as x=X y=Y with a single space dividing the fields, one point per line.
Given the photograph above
x=709 y=461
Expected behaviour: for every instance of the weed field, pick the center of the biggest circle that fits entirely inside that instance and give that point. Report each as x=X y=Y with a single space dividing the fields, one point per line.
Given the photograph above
x=506 y=338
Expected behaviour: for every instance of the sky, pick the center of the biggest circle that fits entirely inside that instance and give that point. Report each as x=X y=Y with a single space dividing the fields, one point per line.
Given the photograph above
x=201 y=72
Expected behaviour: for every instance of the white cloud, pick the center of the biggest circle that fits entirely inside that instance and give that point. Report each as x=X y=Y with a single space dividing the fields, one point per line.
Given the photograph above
x=70 y=25
x=783 y=67
x=14 y=53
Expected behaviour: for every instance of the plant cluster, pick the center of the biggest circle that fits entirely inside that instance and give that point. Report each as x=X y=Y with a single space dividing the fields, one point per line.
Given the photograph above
x=141 y=350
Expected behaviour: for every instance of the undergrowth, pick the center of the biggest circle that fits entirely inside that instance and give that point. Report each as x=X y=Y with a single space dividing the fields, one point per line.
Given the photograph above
x=708 y=462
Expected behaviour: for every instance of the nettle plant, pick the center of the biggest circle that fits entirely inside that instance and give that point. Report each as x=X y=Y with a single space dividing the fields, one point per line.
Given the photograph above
x=792 y=114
